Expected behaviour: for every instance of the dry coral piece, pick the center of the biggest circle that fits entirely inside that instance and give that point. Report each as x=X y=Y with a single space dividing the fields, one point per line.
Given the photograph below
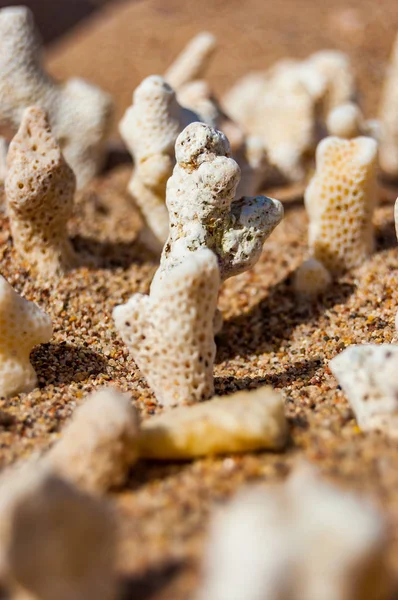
x=304 y=538
x=347 y=121
x=3 y=159
x=311 y=279
x=55 y=540
x=170 y=332
x=23 y=325
x=100 y=443
x=191 y=64
x=340 y=201
x=368 y=375
x=39 y=189
x=388 y=115
x=243 y=422
x=79 y=113
x=203 y=212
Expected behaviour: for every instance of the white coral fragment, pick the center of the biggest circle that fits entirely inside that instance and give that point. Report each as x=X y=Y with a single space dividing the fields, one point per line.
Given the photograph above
x=39 y=189
x=302 y=539
x=170 y=333
x=23 y=325
x=79 y=112
x=203 y=212
x=193 y=60
x=345 y=121
x=311 y=279
x=243 y=422
x=3 y=159
x=100 y=443
x=340 y=201
x=55 y=541
x=388 y=115
x=368 y=375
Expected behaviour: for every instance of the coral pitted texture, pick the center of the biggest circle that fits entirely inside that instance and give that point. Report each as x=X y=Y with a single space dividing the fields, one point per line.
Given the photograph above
x=23 y=325
x=304 y=538
x=193 y=60
x=170 y=333
x=340 y=201
x=368 y=374
x=242 y=422
x=79 y=112
x=100 y=444
x=150 y=128
x=203 y=213
x=311 y=279
x=388 y=115
x=55 y=541
x=39 y=189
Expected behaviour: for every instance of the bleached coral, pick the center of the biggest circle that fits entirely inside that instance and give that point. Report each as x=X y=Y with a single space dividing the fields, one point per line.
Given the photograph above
x=170 y=332
x=100 y=443
x=340 y=200
x=304 y=538
x=396 y=216
x=388 y=115
x=55 y=541
x=23 y=325
x=311 y=279
x=243 y=422
x=193 y=60
x=345 y=121
x=79 y=113
x=336 y=69
x=39 y=189
x=368 y=374
x=203 y=213
x=3 y=159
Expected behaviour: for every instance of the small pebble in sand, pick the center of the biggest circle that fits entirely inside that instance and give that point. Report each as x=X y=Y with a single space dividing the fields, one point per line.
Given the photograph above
x=100 y=444
x=170 y=333
x=340 y=200
x=368 y=374
x=39 y=190
x=23 y=325
x=300 y=539
x=79 y=113
x=192 y=62
x=311 y=279
x=55 y=540
x=388 y=115
x=243 y=422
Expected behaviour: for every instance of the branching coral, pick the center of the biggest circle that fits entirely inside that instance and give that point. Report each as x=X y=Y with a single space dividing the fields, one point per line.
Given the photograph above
x=170 y=333
x=39 y=191
x=193 y=60
x=388 y=114
x=79 y=112
x=340 y=200
x=22 y=326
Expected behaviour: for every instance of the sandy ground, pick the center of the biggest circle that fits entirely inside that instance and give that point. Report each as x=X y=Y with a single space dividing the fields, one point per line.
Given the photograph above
x=268 y=338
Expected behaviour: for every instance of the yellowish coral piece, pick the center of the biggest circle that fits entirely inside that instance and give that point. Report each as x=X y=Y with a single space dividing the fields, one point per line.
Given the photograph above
x=340 y=201
x=192 y=61
x=243 y=422
x=100 y=443
x=336 y=69
x=39 y=189
x=345 y=121
x=388 y=115
x=311 y=279
x=23 y=325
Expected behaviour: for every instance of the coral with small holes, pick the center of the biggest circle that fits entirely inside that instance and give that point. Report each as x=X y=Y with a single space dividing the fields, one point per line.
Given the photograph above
x=340 y=201
x=23 y=325
x=170 y=333
x=39 y=189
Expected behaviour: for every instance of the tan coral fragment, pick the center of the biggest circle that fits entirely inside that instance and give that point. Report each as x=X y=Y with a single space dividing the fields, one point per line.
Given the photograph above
x=100 y=443
x=39 y=189
x=340 y=201
x=23 y=325
x=243 y=422
x=170 y=333
x=388 y=115
x=193 y=60
x=311 y=279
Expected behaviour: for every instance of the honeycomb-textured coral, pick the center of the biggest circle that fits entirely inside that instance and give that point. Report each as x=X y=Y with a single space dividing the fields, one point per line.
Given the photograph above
x=79 y=113
x=170 y=333
x=203 y=214
x=300 y=539
x=100 y=444
x=368 y=374
x=311 y=279
x=193 y=60
x=39 y=192
x=243 y=422
x=388 y=115
x=340 y=200
x=55 y=540
x=23 y=325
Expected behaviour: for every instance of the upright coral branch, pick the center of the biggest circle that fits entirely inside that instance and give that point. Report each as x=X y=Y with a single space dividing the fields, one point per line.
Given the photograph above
x=39 y=191
x=193 y=60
